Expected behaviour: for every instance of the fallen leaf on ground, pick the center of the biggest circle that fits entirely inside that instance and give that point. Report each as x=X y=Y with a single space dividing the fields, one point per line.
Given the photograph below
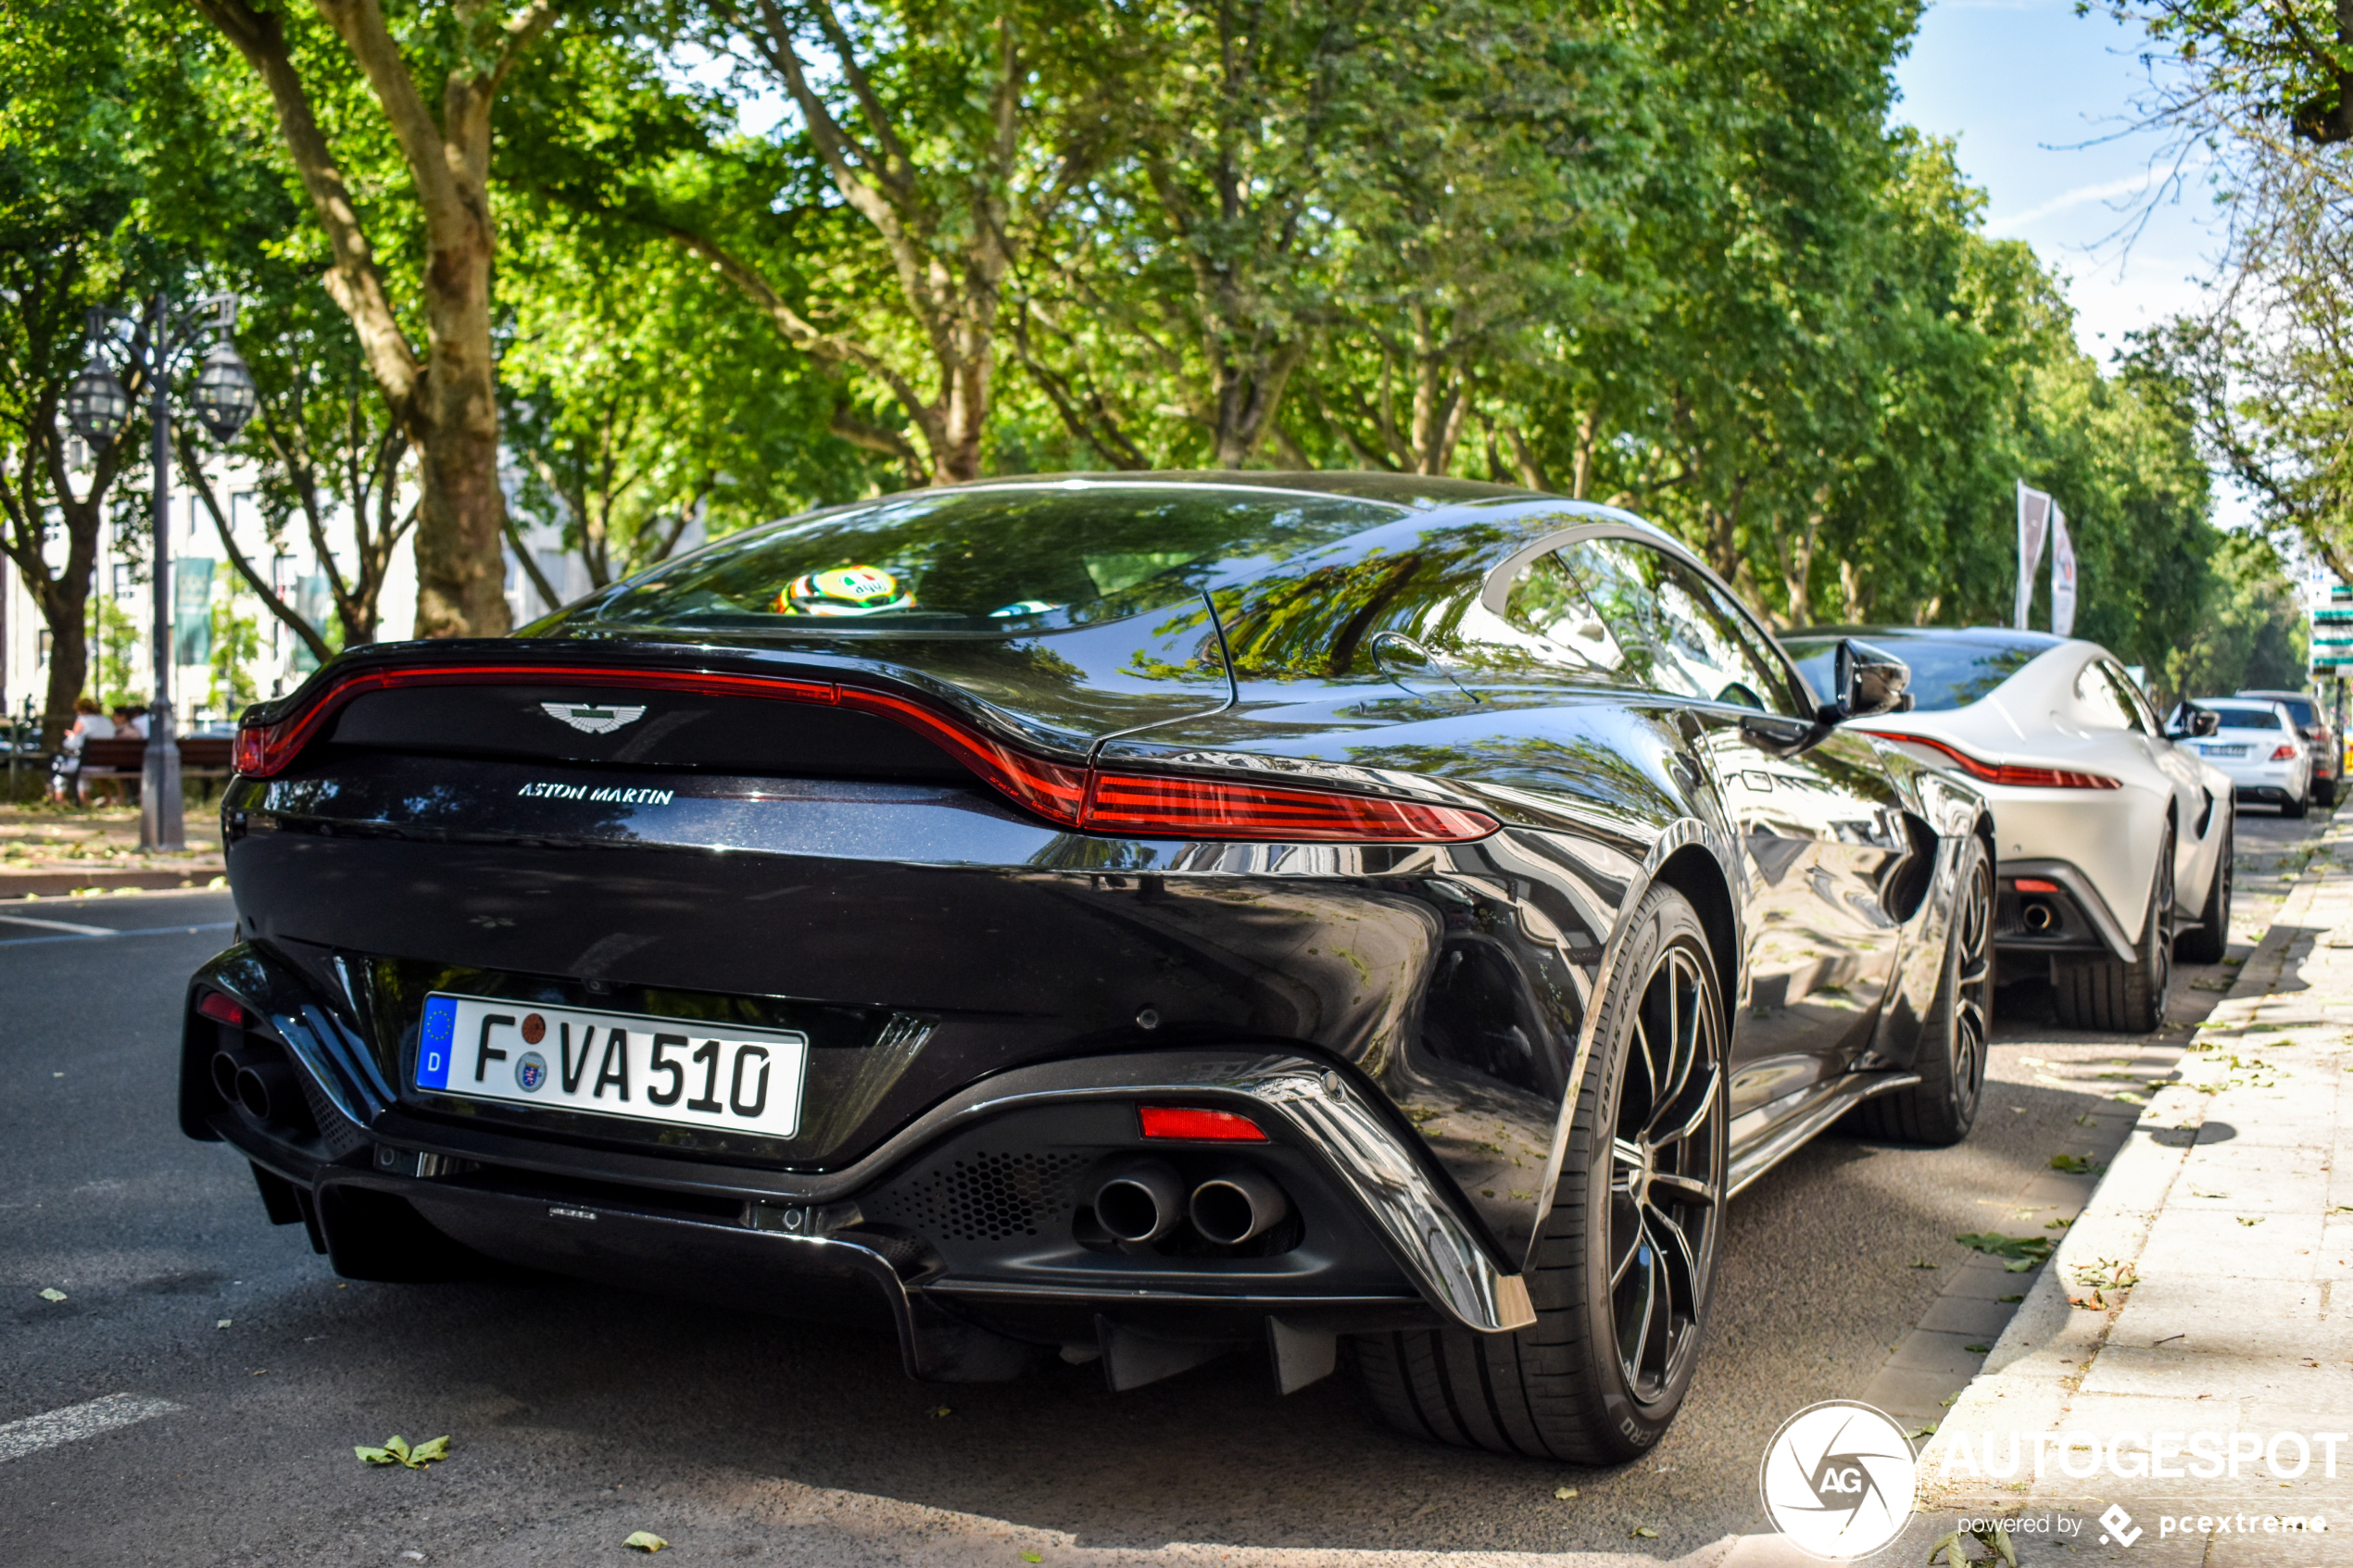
x=224 y=1322
x=51 y=1293
x=1917 y=1433
x=1922 y=1263
x=1977 y=1350
x=1642 y=1532
x=939 y=1413
x=1033 y=1557
x=1564 y=1493
x=645 y=1541
x=396 y=1450
x=2010 y=1299
x=2257 y=1220
x=2072 y=1164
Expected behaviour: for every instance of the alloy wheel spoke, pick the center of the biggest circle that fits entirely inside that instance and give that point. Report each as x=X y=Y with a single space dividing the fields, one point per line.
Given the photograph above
x=1634 y=1245
x=1646 y=1307
x=1650 y=1063
x=1691 y=1190
x=1676 y=1256
x=1698 y=1118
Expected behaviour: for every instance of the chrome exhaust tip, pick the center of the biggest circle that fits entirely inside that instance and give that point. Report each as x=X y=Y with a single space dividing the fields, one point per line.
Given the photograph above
x=2038 y=916
x=1141 y=1202
x=1230 y=1210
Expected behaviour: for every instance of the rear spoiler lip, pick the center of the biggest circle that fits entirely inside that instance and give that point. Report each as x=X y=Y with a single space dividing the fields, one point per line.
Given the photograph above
x=633 y=663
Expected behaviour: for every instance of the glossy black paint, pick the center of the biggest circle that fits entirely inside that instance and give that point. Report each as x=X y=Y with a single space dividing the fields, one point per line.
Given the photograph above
x=832 y=872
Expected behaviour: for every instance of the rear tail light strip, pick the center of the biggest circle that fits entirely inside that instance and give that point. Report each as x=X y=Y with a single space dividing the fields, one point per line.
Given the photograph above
x=1074 y=796
x=2004 y=773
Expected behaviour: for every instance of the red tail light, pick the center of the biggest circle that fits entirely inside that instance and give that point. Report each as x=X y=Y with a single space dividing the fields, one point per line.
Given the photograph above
x=2036 y=885
x=2285 y=754
x=2006 y=772
x=1184 y=1122
x=1068 y=795
x=220 y=1009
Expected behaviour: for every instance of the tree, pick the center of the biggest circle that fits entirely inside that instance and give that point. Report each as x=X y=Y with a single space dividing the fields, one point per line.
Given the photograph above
x=444 y=394
x=70 y=189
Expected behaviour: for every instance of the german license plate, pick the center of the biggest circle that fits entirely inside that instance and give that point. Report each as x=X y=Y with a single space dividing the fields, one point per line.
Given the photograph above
x=2223 y=750
x=675 y=1071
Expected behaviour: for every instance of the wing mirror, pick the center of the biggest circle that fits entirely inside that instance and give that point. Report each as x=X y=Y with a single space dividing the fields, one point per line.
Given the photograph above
x=1870 y=682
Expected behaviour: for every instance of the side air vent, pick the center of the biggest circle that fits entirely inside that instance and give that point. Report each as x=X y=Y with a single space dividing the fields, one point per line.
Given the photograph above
x=981 y=1196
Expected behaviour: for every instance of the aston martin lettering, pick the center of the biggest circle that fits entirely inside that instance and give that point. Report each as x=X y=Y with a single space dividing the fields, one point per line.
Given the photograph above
x=605 y=795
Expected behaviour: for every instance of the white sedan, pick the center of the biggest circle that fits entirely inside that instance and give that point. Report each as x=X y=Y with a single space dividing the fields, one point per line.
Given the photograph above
x=2115 y=844
x=2257 y=743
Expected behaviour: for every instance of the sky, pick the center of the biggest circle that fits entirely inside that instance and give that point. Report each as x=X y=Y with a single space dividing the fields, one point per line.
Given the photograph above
x=2041 y=101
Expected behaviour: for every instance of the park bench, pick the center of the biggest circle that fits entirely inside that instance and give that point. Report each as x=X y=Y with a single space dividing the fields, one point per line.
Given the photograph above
x=204 y=758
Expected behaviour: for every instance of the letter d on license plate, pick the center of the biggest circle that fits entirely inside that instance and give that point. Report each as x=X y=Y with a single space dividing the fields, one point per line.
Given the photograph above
x=671 y=1070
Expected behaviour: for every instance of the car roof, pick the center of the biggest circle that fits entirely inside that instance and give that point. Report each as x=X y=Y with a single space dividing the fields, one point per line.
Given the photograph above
x=1418 y=491
x=1996 y=636
x=2248 y=702
x=2280 y=695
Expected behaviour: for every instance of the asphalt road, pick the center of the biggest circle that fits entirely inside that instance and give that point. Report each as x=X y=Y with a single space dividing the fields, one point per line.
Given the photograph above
x=577 y=1414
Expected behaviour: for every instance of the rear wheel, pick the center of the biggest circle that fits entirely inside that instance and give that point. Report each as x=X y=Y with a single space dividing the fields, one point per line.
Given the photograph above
x=1941 y=1108
x=2125 y=998
x=2211 y=940
x=1626 y=1263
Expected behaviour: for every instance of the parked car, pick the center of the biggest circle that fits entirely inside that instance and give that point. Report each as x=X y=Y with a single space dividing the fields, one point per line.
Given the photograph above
x=1129 y=919
x=2259 y=745
x=2115 y=847
x=2320 y=735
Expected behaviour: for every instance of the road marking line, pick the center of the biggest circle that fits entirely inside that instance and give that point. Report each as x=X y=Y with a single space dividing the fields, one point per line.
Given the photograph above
x=74 y=1422
x=60 y=925
x=109 y=930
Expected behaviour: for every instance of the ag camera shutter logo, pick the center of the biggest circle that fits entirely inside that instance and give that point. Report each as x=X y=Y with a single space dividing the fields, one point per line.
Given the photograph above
x=1839 y=1480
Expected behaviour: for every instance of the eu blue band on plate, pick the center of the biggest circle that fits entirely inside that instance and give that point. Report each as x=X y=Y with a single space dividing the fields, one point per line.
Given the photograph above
x=433 y=1043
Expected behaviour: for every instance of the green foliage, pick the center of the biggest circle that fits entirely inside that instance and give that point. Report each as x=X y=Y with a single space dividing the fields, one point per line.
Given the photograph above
x=236 y=648
x=114 y=643
x=2251 y=631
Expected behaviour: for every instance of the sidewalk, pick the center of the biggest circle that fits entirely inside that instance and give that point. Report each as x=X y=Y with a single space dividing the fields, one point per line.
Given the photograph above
x=2203 y=1290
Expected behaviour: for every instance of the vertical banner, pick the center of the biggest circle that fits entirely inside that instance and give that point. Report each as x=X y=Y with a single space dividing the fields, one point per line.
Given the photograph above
x=2062 y=576
x=192 y=610
x=2033 y=522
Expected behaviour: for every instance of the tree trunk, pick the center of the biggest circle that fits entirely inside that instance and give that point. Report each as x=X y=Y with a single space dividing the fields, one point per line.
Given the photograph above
x=462 y=522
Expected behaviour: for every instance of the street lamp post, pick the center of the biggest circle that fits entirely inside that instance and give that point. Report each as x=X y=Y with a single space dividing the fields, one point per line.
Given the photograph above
x=97 y=407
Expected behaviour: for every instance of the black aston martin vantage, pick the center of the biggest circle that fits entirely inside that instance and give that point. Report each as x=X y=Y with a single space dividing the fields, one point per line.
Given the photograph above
x=1124 y=919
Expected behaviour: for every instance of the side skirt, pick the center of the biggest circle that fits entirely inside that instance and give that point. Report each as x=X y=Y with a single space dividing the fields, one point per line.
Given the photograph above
x=1827 y=1104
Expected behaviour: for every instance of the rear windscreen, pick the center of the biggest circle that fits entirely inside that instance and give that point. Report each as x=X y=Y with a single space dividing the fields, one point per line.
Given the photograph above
x=1947 y=672
x=1000 y=558
x=2247 y=718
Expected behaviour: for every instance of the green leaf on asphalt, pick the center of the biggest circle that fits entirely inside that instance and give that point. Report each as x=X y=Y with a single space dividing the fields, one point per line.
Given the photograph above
x=396 y=1450
x=2072 y=1164
x=1564 y=1493
x=2011 y=1299
x=1642 y=1532
x=1917 y=1433
x=1977 y=1350
x=1033 y=1557
x=51 y=1293
x=645 y=1541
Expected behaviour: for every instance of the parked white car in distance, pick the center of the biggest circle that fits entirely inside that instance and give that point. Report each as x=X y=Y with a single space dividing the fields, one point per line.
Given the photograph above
x=2112 y=841
x=2257 y=744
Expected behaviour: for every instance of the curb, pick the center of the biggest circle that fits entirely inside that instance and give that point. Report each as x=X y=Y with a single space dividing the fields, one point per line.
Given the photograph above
x=2042 y=1357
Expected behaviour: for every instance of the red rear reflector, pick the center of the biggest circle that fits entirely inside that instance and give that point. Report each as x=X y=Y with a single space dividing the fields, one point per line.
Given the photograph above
x=2004 y=773
x=213 y=1005
x=2285 y=754
x=2035 y=884
x=1184 y=1122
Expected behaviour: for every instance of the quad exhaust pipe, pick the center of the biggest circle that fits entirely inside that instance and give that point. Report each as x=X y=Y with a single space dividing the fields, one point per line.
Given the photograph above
x=260 y=1082
x=1230 y=1210
x=1142 y=1203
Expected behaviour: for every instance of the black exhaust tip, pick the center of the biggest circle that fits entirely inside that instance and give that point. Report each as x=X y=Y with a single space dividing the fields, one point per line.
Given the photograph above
x=1231 y=1210
x=1141 y=1202
x=267 y=1092
x=2038 y=916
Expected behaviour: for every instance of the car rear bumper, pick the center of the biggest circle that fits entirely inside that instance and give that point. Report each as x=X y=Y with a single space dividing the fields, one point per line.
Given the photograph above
x=1381 y=1236
x=2048 y=906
